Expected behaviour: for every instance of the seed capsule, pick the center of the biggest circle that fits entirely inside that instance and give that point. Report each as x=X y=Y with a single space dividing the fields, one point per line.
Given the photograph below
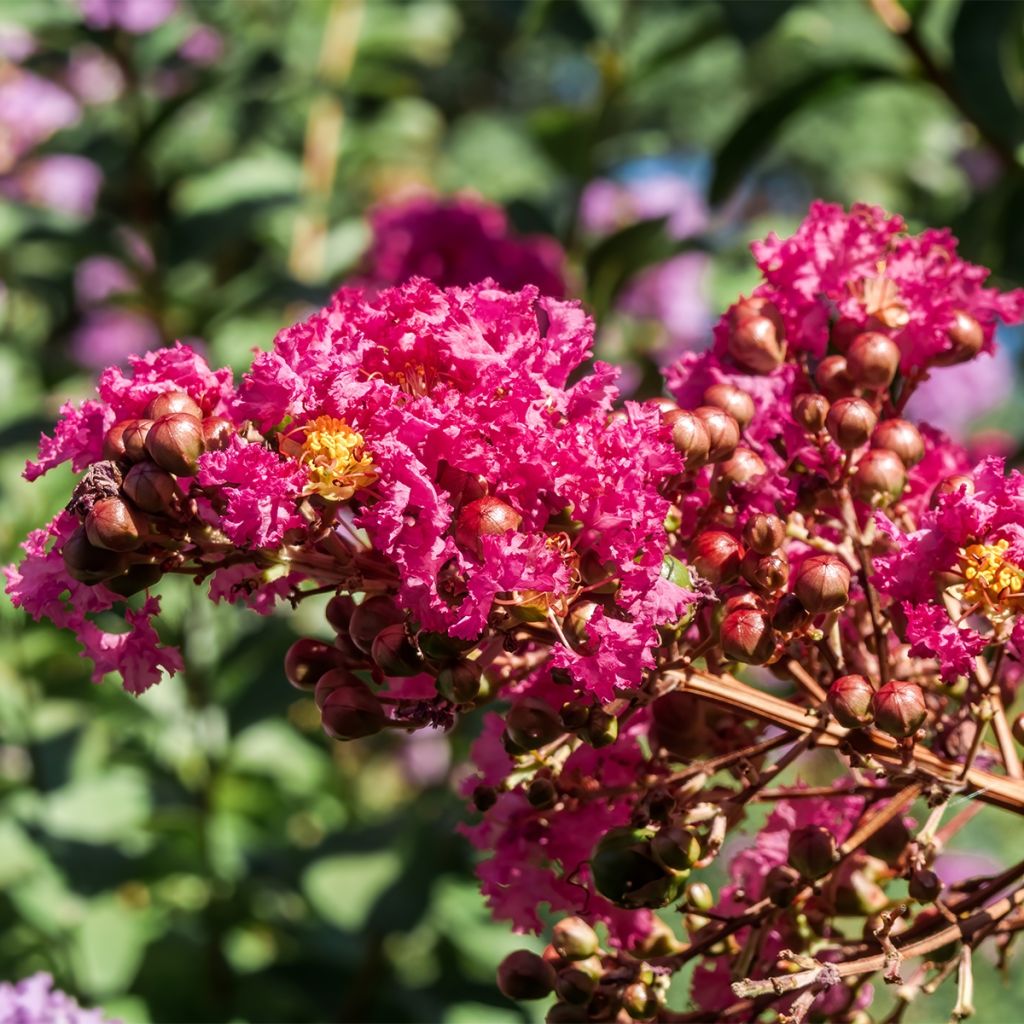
x=781 y=884
x=152 y=489
x=764 y=533
x=460 y=683
x=742 y=469
x=676 y=849
x=175 y=443
x=331 y=680
x=822 y=583
x=966 y=338
x=307 y=660
x=850 y=699
x=789 y=614
x=394 y=653
x=352 y=712
x=531 y=723
x=747 y=636
x=810 y=411
x=812 y=851
x=577 y=988
x=899 y=708
x=625 y=871
x=369 y=618
x=171 y=402
x=736 y=402
x=89 y=564
x=880 y=477
x=485 y=517
x=133 y=438
x=602 y=728
x=723 y=432
x=574 y=939
x=833 y=377
x=850 y=422
x=900 y=437
x=756 y=344
x=138 y=578
x=768 y=573
x=339 y=612
x=716 y=556
x=113 y=442
x=541 y=794
x=889 y=843
x=690 y=438
x=924 y=886
x=524 y=975
x=639 y=1001
x=112 y=525
x=873 y=360
x=217 y=433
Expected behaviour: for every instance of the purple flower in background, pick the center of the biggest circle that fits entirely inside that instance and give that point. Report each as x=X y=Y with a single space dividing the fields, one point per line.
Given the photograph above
x=135 y=16
x=16 y=43
x=97 y=278
x=34 y=1000
x=425 y=757
x=107 y=336
x=31 y=110
x=62 y=182
x=457 y=241
x=203 y=46
x=93 y=76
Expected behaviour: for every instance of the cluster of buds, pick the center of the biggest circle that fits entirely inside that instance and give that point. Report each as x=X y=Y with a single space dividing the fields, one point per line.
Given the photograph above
x=663 y=606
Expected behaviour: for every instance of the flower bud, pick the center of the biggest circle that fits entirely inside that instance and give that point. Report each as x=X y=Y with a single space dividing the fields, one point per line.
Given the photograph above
x=690 y=438
x=307 y=660
x=567 y=1013
x=369 y=618
x=849 y=700
x=352 y=712
x=217 y=433
x=955 y=484
x=781 y=884
x=880 y=477
x=699 y=896
x=822 y=583
x=666 y=407
x=810 y=411
x=339 y=612
x=899 y=708
x=747 y=636
x=575 y=987
x=744 y=468
x=89 y=564
x=833 y=378
x=767 y=573
x=524 y=975
x=625 y=871
x=331 y=680
x=133 y=438
x=485 y=517
x=171 y=402
x=812 y=851
x=850 y=421
x=175 y=443
x=113 y=442
x=138 y=577
x=723 y=432
x=484 y=798
x=716 y=556
x=676 y=849
x=639 y=1001
x=394 y=653
x=756 y=344
x=112 y=525
x=764 y=533
x=531 y=723
x=756 y=305
x=602 y=728
x=460 y=683
x=541 y=794
x=889 y=843
x=574 y=715
x=924 y=886
x=873 y=360
x=966 y=338
x=153 y=489
x=574 y=939
x=733 y=400
x=1018 y=729
x=789 y=614
x=900 y=437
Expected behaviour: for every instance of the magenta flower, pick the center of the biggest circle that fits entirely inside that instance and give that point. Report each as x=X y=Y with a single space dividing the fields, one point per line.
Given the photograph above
x=34 y=1000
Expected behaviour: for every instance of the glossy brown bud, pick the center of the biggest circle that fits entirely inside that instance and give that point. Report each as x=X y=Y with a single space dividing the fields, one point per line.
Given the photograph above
x=901 y=437
x=307 y=660
x=955 y=484
x=484 y=798
x=833 y=377
x=742 y=469
x=716 y=556
x=850 y=701
x=676 y=849
x=175 y=443
x=331 y=680
x=756 y=345
x=541 y=794
x=524 y=975
x=924 y=886
x=89 y=564
x=966 y=338
x=757 y=305
x=850 y=423
x=690 y=438
x=152 y=489
x=889 y=843
x=781 y=884
x=217 y=433
x=666 y=407
x=789 y=614
x=133 y=437
x=460 y=683
x=485 y=517
x=812 y=851
x=639 y=1001
x=747 y=636
x=810 y=411
x=531 y=723
x=822 y=583
x=113 y=442
x=113 y=525
x=171 y=402
x=873 y=360
x=369 y=618
x=723 y=432
x=339 y=612
x=394 y=653
x=577 y=988
x=899 y=708
x=574 y=715
x=1018 y=728
x=602 y=728
x=352 y=712
x=574 y=939
x=138 y=577
x=767 y=573
x=764 y=533
x=733 y=400
x=880 y=477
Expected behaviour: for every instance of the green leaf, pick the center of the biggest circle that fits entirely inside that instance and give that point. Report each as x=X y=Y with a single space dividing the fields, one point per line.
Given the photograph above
x=100 y=809
x=760 y=128
x=109 y=944
x=343 y=889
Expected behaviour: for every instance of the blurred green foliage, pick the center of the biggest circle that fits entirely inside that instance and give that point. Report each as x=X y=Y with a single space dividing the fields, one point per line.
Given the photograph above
x=204 y=853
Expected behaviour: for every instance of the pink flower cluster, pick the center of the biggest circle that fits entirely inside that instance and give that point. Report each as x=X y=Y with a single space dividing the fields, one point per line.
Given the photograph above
x=34 y=1000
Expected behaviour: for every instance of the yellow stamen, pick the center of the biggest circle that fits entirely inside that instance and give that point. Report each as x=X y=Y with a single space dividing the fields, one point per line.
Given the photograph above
x=333 y=456
x=991 y=580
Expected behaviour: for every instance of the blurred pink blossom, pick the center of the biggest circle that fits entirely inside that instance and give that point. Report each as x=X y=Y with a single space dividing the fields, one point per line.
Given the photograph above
x=62 y=182
x=93 y=76
x=135 y=16
x=97 y=278
x=31 y=110
x=204 y=45
x=107 y=336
